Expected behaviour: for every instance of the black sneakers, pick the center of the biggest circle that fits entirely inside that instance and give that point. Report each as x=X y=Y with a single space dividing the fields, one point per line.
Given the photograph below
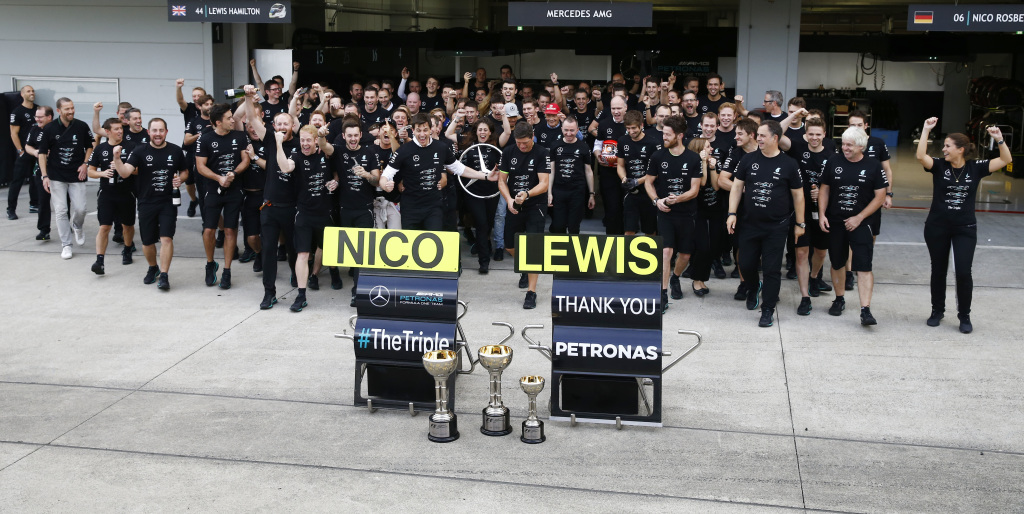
x=11 y=215
x=97 y=267
x=269 y=299
x=247 y=255
x=126 y=255
x=677 y=290
x=837 y=306
x=531 y=300
x=524 y=281
x=336 y=282
x=257 y=263
x=791 y=272
x=219 y=243
x=43 y=235
x=151 y=275
x=735 y=272
x=295 y=280
x=313 y=282
x=211 y=273
x=727 y=259
x=741 y=292
x=299 y=303
x=965 y=324
x=485 y=267
x=118 y=238
x=753 y=297
x=805 y=306
x=822 y=285
x=717 y=269
x=812 y=288
x=499 y=254
x=163 y=284
x=767 y=318
x=225 y=279
x=935 y=318
x=849 y=281
x=192 y=209
x=866 y=318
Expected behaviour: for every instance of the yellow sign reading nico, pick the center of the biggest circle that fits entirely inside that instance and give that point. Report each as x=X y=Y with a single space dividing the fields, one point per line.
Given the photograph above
x=415 y=250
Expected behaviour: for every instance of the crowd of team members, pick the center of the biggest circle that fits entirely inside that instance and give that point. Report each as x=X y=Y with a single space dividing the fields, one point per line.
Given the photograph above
x=716 y=181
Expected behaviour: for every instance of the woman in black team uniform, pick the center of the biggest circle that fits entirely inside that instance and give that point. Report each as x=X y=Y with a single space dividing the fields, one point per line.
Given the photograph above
x=482 y=210
x=314 y=180
x=951 y=221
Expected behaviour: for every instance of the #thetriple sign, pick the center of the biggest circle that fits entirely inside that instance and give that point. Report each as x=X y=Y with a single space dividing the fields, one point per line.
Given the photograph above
x=625 y=257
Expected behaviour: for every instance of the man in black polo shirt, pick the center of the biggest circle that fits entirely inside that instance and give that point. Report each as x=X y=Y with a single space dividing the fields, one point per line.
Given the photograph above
x=673 y=184
x=773 y=193
x=277 y=216
x=525 y=169
x=63 y=154
x=116 y=199
x=220 y=158
x=22 y=119
x=420 y=166
x=160 y=168
x=43 y=117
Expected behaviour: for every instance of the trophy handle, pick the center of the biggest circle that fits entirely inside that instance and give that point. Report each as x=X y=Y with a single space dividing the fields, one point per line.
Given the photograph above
x=465 y=309
x=461 y=342
x=344 y=335
x=511 y=331
x=352 y=321
x=461 y=345
x=534 y=345
x=688 y=352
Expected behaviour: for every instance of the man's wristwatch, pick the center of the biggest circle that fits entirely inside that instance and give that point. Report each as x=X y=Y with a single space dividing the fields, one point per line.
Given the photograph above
x=1001 y=141
x=731 y=214
x=655 y=201
x=801 y=225
x=889 y=195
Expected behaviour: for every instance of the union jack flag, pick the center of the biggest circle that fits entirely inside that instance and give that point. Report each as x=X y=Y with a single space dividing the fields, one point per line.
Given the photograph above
x=177 y=10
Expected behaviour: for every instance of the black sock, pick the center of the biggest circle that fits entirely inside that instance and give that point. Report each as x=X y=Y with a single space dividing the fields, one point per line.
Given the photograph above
x=302 y=292
x=163 y=274
x=99 y=259
x=862 y=309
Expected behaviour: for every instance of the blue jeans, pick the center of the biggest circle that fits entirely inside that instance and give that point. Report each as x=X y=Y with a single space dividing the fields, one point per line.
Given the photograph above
x=499 y=223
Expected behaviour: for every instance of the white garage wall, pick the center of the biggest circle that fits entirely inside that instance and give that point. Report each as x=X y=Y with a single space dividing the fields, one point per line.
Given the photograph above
x=838 y=70
x=130 y=40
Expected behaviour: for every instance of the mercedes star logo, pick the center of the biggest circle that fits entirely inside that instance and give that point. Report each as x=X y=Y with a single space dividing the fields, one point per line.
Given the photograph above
x=380 y=296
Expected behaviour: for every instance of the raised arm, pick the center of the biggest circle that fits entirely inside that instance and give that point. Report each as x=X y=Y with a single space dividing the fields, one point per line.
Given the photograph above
x=96 y=128
x=179 y=96
x=256 y=75
x=294 y=84
x=321 y=141
x=922 y=145
x=286 y=164
x=250 y=113
x=123 y=169
x=401 y=85
x=1004 y=150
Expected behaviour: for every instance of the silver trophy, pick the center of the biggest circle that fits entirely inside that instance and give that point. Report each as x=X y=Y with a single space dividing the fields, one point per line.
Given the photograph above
x=495 y=358
x=533 y=427
x=443 y=424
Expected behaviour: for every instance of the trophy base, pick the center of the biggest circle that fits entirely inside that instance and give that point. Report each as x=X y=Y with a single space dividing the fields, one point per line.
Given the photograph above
x=533 y=434
x=443 y=431
x=496 y=425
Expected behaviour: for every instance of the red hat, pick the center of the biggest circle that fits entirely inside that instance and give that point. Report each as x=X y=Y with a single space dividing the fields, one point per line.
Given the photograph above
x=552 y=109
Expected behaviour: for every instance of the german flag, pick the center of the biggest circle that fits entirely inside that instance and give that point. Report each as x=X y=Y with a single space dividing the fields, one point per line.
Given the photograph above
x=922 y=17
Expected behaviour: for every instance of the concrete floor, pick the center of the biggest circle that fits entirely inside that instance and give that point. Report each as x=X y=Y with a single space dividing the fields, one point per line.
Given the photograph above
x=117 y=397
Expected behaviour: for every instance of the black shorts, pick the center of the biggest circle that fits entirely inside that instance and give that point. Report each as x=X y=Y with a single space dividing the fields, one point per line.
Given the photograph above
x=813 y=236
x=157 y=219
x=251 y=202
x=875 y=222
x=309 y=232
x=355 y=217
x=842 y=242
x=191 y=178
x=111 y=205
x=229 y=202
x=529 y=220
x=677 y=231
x=638 y=213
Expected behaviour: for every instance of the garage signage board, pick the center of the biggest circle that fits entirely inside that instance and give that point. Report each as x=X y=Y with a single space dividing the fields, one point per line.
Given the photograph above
x=230 y=11
x=580 y=14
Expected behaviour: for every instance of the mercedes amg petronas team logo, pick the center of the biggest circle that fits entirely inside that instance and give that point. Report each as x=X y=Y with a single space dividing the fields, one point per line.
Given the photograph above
x=380 y=296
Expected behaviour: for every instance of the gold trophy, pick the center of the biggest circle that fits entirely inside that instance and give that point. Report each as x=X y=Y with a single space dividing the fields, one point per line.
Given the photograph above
x=443 y=424
x=495 y=358
x=533 y=427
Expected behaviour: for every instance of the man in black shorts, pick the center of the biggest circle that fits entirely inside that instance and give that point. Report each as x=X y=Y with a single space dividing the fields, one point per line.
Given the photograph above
x=632 y=155
x=774 y=192
x=852 y=188
x=160 y=168
x=811 y=152
x=116 y=199
x=253 y=182
x=525 y=170
x=314 y=181
x=357 y=169
x=220 y=158
x=673 y=185
x=197 y=126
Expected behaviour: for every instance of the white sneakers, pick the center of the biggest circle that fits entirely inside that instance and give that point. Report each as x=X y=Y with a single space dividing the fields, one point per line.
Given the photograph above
x=79 y=235
x=65 y=253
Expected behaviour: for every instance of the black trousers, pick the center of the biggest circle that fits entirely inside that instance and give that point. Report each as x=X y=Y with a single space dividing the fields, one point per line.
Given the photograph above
x=43 y=203
x=765 y=244
x=963 y=239
x=711 y=232
x=567 y=210
x=482 y=211
x=275 y=221
x=23 y=167
x=423 y=219
x=611 y=197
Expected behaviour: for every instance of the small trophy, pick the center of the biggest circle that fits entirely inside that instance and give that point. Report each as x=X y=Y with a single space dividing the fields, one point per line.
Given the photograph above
x=495 y=358
x=441 y=364
x=533 y=427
